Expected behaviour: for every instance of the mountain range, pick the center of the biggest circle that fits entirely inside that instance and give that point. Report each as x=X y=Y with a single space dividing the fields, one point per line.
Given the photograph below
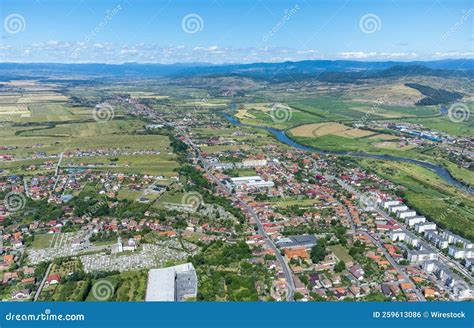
x=324 y=70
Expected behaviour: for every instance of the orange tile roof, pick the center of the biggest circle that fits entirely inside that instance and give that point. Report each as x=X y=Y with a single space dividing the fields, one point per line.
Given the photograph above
x=429 y=292
x=8 y=258
x=417 y=279
x=406 y=286
x=168 y=233
x=297 y=252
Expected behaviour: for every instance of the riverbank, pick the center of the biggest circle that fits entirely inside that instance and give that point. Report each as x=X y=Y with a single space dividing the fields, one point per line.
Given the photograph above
x=281 y=136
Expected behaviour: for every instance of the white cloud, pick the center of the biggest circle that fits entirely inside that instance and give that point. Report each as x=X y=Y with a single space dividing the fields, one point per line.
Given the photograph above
x=454 y=54
x=377 y=55
x=75 y=52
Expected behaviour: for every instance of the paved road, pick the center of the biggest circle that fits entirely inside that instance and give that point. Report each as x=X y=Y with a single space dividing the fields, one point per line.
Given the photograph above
x=56 y=171
x=27 y=190
x=40 y=288
x=284 y=265
x=374 y=241
x=441 y=256
x=281 y=260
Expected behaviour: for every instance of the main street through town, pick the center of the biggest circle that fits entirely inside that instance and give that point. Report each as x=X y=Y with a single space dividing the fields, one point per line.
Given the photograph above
x=284 y=265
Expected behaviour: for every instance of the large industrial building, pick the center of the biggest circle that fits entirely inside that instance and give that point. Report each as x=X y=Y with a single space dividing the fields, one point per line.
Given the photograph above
x=250 y=182
x=172 y=284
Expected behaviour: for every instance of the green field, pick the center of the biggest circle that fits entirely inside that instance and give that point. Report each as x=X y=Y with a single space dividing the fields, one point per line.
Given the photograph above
x=339 y=109
x=443 y=124
x=68 y=136
x=70 y=291
x=42 y=241
x=127 y=286
x=341 y=253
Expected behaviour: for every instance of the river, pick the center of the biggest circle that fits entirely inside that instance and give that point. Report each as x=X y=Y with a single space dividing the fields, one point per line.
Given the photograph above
x=282 y=137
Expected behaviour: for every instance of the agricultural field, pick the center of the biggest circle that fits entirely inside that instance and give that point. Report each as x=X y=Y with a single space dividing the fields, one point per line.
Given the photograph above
x=277 y=115
x=241 y=172
x=392 y=93
x=322 y=129
x=54 y=126
x=376 y=144
x=445 y=125
x=333 y=109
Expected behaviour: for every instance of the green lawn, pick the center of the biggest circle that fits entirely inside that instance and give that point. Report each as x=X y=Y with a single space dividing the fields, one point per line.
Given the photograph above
x=341 y=253
x=42 y=241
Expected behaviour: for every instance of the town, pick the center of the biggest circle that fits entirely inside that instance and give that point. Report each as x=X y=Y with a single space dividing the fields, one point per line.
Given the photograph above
x=227 y=213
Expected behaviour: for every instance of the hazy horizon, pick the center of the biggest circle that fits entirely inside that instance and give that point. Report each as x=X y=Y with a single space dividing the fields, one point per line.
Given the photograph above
x=216 y=32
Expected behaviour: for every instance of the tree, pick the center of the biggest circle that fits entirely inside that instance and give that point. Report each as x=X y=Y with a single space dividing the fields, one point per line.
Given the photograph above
x=298 y=296
x=340 y=266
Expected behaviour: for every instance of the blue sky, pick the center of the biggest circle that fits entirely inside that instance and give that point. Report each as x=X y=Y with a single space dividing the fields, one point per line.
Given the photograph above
x=220 y=31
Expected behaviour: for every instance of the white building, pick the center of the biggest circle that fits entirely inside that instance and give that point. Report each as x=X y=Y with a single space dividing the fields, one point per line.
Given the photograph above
x=411 y=221
x=397 y=235
x=418 y=256
x=397 y=208
x=130 y=246
x=250 y=182
x=436 y=239
x=406 y=214
x=404 y=235
x=460 y=253
x=422 y=227
x=254 y=162
x=470 y=263
x=390 y=203
x=118 y=247
x=459 y=289
x=453 y=239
